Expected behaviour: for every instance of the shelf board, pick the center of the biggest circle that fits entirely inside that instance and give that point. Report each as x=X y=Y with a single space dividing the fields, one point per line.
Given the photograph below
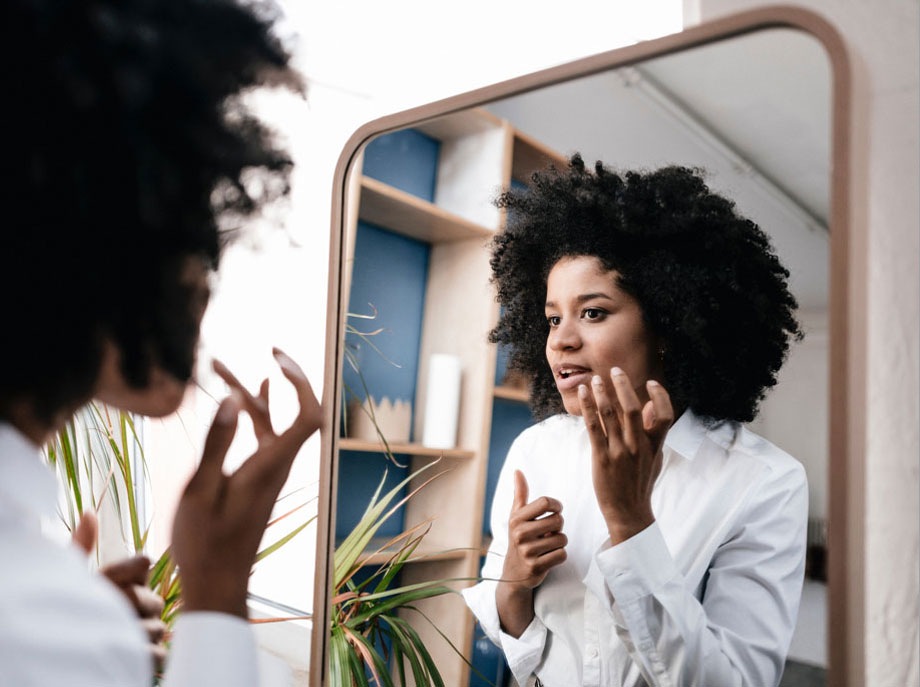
x=485 y=544
x=347 y=444
x=457 y=124
x=405 y=214
x=531 y=155
x=511 y=393
x=425 y=553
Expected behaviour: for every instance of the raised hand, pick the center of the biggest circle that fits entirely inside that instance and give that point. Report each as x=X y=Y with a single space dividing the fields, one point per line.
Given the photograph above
x=626 y=449
x=535 y=545
x=221 y=518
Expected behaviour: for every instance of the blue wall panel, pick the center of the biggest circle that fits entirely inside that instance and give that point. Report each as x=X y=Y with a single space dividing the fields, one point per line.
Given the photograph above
x=509 y=418
x=407 y=160
x=359 y=476
x=389 y=274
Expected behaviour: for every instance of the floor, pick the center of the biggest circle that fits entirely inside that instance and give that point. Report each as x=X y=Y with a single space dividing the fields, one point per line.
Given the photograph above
x=808 y=653
x=803 y=675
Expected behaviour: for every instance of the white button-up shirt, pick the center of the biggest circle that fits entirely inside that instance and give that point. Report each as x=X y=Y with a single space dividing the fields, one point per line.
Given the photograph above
x=705 y=596
x=60 y=624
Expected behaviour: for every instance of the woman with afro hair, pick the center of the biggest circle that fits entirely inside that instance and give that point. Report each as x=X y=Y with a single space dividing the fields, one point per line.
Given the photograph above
x=642 y=534
x=131 y=156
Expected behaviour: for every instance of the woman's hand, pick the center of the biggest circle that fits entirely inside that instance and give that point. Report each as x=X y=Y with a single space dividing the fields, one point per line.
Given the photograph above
x=535 y=545
x=130 y=577
x=626 y=449
x=221 y=518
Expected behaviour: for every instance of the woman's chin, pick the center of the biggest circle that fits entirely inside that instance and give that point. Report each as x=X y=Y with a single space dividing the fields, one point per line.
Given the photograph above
x=161 y=397
x=571 y=404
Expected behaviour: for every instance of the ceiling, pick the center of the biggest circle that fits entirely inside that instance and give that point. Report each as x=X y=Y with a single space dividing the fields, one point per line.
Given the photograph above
x=752 y=111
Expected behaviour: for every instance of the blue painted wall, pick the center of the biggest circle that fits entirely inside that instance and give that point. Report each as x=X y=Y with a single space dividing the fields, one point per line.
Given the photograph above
x=407 y=160
x=389 y=277
x=509 y=418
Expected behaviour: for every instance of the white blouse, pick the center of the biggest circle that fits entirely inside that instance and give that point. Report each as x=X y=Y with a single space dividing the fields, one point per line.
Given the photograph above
x=705 y=596
x=60 y=624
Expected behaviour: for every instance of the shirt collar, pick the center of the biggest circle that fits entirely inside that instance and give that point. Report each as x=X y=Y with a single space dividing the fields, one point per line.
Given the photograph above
x=26 y=482
x=687 y=434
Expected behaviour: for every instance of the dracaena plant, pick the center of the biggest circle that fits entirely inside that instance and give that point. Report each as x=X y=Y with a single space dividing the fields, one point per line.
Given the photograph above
x=370 y=642
x=98 y=455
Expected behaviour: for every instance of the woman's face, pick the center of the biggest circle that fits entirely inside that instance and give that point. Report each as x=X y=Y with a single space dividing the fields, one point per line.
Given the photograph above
x=593 y=326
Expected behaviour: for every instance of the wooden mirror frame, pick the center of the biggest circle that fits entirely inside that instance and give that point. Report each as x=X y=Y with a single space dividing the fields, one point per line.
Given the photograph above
x=846 y=311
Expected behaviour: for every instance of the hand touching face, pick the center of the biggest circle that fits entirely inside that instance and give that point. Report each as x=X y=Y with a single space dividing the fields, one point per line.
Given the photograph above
x=627 y=438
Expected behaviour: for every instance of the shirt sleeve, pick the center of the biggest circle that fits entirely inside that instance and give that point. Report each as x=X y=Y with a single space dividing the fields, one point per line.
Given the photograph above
x=523 y=653
x=212 y=650
x=738 y=635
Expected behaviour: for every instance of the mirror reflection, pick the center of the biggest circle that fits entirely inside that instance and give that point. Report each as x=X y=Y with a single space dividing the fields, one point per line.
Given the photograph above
x=424 y=389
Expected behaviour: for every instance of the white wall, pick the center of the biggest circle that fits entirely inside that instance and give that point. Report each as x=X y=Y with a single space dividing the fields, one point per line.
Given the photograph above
x=884 y=37
x=794 y=415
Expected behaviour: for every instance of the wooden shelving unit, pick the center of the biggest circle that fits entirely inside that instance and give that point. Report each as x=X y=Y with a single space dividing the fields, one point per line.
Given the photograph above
x=511 y=393
x=479 y=154
x=348 y=444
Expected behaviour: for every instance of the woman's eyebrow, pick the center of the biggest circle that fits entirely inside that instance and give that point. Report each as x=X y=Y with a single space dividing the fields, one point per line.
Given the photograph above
x=583 y=298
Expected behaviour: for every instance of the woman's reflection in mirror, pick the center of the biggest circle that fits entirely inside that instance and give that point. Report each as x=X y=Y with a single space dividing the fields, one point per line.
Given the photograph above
x=642 y=534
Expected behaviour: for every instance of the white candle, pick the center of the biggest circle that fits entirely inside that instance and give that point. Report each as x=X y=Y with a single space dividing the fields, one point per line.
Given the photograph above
x=442 y=402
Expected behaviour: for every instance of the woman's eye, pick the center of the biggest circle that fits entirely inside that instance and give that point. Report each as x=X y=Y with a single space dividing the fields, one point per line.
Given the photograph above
x=593 y=313
x=553 y=320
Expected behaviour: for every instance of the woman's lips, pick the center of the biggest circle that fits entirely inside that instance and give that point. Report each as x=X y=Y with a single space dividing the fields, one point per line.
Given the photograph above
x=568 y=377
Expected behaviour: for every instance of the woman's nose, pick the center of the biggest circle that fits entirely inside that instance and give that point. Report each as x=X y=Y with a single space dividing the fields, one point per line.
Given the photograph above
x=564 y=336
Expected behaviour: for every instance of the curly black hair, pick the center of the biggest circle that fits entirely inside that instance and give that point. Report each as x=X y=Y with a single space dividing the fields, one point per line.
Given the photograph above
x=710 y=287
x=128 y=151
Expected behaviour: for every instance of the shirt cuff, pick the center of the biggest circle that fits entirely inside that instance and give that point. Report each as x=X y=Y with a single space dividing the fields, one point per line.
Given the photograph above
x=212 y=649
x=637 y=567
x=525 y=652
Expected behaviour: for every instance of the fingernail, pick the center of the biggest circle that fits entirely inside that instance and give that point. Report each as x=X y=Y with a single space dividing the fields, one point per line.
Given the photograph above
x=582 y=391
x=597 y=381
x=616 y=372
x=288 y=364
x=652 y=382
x=229 y=410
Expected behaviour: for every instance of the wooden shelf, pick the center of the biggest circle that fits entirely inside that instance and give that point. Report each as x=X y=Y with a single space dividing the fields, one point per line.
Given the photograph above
x=425 y=553
x=530 y=155
x=408 y=215
x=463 y=123
x=511 y=393
x=346 y=444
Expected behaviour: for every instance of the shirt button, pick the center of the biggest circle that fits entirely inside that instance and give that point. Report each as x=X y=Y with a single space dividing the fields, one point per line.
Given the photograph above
x=592 y=651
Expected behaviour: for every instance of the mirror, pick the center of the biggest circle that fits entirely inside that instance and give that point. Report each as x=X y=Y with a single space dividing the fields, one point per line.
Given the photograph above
x=748 y=99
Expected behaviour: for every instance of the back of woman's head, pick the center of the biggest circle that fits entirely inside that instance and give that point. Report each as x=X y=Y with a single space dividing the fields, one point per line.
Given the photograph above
x=711 y=289
x=126 y=149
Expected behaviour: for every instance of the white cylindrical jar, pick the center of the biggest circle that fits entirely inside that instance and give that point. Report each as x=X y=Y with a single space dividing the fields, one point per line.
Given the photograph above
x=442 y=401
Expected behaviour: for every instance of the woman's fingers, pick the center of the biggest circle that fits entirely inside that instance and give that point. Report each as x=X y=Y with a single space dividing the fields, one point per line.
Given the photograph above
x=255 y=406
x=310 y=417
x=86 y=532
x=658 y=415
x=631 y=420
x=209 y=475
x=520 y=491
x=538 y=508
